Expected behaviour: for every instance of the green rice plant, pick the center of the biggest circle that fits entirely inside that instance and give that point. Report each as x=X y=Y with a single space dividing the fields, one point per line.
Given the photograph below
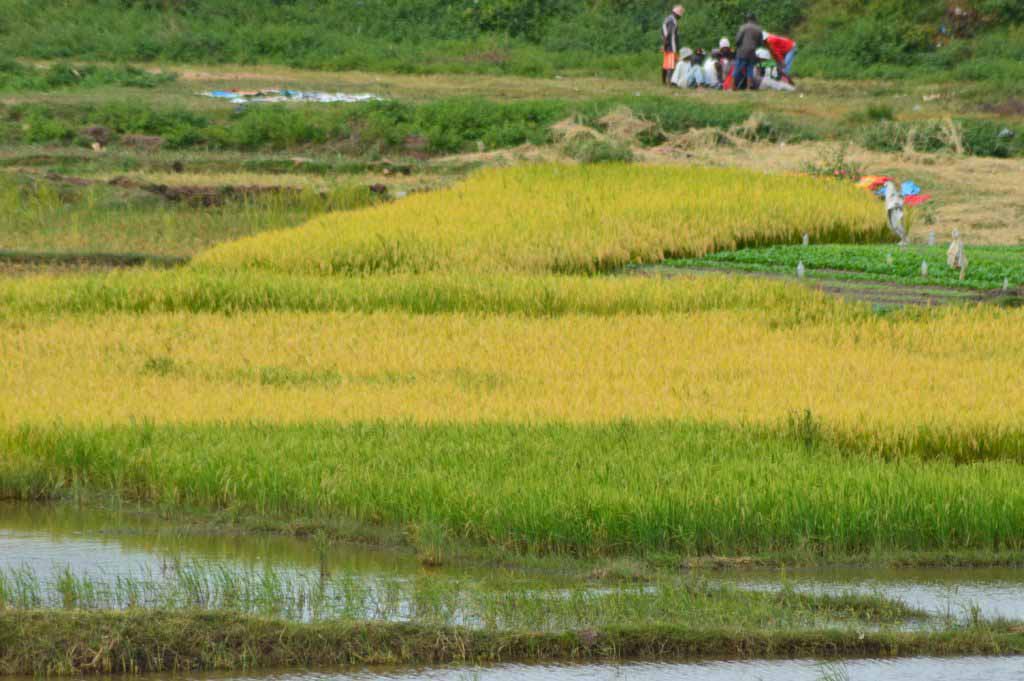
x=20 y=588
x=616 y=489
x=498 y=604
x=990 y=266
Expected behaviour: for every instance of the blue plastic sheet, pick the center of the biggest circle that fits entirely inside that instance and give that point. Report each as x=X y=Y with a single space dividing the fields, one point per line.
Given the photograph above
x=910 y=189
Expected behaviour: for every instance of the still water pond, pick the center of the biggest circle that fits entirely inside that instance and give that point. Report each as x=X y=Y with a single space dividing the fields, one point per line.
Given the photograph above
x=47 y=539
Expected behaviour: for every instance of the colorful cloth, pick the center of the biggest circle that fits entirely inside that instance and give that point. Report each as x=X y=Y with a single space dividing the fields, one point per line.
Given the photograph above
x=779 y=46
x=917 y=199
x=910 y=189
x=669 y=61
x=873 y=182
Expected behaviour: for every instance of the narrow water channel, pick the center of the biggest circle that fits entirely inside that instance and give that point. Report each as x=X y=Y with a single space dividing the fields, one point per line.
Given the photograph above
x=954 y=592
x=910 y=669
x=47 y=537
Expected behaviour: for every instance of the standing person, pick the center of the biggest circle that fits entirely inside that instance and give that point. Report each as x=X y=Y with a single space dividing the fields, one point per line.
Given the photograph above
x=750 y=37
x=784 y=52
x=670 y=43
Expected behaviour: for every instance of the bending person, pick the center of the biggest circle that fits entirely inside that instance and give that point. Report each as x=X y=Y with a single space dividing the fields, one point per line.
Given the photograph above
x=784 y=52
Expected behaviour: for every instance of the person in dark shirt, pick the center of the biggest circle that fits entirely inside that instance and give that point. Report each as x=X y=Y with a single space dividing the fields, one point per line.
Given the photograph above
x=670 y=43
x=748 y=40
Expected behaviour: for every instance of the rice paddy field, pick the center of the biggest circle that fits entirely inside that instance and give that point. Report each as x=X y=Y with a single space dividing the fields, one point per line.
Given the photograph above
x=481 y=372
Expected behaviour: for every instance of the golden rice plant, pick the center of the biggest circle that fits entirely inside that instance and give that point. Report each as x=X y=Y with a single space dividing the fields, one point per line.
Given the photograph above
x=187 y=290
x=565 y=219
x=881 y=380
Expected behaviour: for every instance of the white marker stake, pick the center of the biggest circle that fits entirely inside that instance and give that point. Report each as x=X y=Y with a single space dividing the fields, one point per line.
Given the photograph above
x=807 y=239
x=931 y=238
x=1006 y=284
x=888 y=259
x=924 y=268
x=800 y=270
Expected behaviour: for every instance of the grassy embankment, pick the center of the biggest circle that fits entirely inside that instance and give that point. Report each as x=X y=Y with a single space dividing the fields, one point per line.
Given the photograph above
x=883 y=39
x=73 y=643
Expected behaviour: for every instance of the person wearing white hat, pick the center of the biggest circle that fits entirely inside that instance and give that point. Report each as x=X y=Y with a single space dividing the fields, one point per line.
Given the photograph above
x=689 y=72
x=682 y=67
x=762 y=68
x=723 y=63
x=767 y=74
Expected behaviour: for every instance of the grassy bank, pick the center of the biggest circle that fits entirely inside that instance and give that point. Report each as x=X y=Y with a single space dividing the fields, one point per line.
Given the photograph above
x=67 y=643
x=692 y=490
x=441 y=125
x=887 y=39
x=56 y=217
x=454 y=124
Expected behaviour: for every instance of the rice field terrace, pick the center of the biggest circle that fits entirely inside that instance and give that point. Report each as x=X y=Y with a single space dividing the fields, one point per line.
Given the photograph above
x=500 y=373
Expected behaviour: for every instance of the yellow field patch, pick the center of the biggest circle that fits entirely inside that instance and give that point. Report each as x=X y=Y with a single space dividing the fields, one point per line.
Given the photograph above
x=956 y=369
x=566 y=219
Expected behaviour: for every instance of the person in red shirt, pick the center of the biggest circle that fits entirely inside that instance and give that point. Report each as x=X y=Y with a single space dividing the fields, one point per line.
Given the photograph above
x=784 y=52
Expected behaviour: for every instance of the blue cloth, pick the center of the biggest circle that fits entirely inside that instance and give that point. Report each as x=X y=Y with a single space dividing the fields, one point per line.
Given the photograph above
x=695 y=76
x=221 y=94
x=790 y=56
x=743 y=74
x=910 y=189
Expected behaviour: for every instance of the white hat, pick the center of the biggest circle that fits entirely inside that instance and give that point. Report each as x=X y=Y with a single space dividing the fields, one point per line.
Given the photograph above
x=685 y=53
x=723 y=43
x=764 y=35
x=763 y=54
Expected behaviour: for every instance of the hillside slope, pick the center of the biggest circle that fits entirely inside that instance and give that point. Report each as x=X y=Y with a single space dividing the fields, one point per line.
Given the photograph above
x=847 y=38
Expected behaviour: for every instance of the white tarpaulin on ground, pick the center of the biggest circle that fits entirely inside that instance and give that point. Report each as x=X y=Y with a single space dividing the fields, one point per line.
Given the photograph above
x=280 y=96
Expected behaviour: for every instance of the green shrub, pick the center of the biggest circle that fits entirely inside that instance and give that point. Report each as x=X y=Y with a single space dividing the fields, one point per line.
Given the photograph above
x=40 y=130
x=524 y=37
x=978 y=137
x=871 y=114
x=988 y=138
x=18 y=77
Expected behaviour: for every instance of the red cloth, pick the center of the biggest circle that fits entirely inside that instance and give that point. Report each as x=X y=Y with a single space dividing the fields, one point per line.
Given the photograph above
x=730 y=78
x=779 y=46
x=916 y=200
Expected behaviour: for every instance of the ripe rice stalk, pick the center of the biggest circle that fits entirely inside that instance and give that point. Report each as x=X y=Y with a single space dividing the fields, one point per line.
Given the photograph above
x=538 y=219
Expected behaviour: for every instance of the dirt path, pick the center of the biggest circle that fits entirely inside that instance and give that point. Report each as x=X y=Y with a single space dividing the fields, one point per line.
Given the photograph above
x=24 y=263
x=878 y=293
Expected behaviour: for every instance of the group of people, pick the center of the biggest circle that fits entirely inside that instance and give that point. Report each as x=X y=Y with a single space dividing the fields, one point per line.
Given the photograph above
x=760 y=60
